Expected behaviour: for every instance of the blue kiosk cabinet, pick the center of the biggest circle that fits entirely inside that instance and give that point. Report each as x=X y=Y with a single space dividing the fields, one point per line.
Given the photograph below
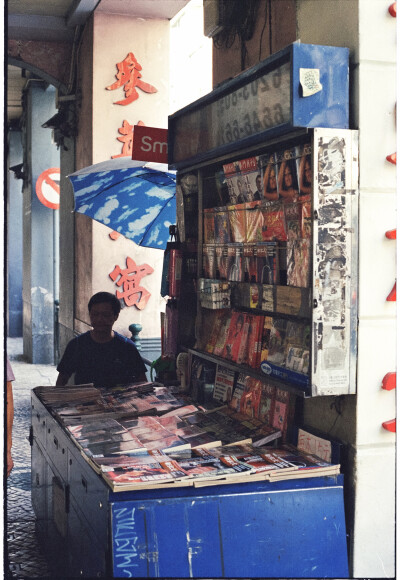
x=287 y=529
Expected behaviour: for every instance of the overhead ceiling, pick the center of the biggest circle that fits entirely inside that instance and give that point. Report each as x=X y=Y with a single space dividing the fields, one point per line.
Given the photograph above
x=55 y=20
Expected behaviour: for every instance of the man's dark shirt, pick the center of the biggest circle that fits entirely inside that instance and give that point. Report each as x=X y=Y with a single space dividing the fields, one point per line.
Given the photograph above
x=103 y=364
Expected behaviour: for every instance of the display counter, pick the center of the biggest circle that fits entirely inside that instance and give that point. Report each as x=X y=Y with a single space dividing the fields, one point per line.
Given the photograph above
x=284 y=529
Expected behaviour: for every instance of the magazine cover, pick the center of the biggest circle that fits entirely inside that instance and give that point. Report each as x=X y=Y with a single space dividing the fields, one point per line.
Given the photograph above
x=242 y=353
x=235 y=259
x=273 y=228
x=237 y=222
x=292 y=300
x=306 y=223
x=277 y=341
x=251 y=174
x=233 y=339
x=250 y=263
x=281 y=410
x=230 y=173
x=267 y=298
x=224 y=383
x=270 y=177
x=250 y=401
x=304 y=165
x=208 y=226
x=222 y=234
x=221 y=262
x=254 y=341
x=265 y=340
x=254 y=222
x=288 y=186
x=221 y=338
x=209 y=266
x=299 y=263
x=267 y=263
x=267 y=403
x=238 y=391
x=293 y=220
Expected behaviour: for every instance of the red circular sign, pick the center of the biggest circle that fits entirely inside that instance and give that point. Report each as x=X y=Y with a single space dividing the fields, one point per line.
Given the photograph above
x=48 y=188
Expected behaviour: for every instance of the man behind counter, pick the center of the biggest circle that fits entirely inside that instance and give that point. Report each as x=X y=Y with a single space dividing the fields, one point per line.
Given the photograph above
x=101 y=356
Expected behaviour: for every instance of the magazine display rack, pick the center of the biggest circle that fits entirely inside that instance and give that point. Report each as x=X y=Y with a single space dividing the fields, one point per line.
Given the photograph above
x=276 y=242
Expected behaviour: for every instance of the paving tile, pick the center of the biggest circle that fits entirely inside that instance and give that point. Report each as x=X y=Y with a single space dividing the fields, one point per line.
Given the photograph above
x=24 y=557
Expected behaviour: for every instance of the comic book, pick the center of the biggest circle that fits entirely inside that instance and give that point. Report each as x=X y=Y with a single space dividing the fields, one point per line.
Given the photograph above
x=237 y=222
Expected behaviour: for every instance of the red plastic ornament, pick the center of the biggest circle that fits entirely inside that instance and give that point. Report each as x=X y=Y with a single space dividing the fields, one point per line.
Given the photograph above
x=393 y=9
x=391 y=234
x=392 y=295
x=389 y=382
x=390 y=425
x=391 y=158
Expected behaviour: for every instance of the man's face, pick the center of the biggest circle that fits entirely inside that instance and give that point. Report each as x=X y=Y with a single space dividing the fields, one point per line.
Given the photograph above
x=258 y=183
x=102 y=317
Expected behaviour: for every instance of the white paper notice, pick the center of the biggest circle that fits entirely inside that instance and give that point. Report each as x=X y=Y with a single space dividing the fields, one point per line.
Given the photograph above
x=309 y=80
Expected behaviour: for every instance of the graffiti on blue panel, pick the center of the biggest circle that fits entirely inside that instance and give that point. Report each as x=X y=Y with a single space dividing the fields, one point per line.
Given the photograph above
x=125 y=539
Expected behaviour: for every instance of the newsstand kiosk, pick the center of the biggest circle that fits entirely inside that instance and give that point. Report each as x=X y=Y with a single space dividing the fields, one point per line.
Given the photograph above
x=290 y=112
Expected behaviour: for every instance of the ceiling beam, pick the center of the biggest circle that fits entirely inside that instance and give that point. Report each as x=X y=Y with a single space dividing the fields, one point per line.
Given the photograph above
x=80 y=12
x=35 y=27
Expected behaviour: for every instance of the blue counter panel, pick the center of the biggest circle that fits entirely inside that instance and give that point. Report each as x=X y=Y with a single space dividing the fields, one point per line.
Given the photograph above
x=278 y=533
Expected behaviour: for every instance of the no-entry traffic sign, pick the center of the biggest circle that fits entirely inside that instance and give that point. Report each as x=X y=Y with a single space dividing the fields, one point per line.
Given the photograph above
x=48 y=188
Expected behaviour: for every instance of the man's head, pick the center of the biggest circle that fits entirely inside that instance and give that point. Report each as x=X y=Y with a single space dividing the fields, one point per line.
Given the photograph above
x=105 y=298
x=104 y=309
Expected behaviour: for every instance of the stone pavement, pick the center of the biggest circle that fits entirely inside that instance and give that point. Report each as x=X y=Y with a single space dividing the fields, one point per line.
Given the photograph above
x=25 y=558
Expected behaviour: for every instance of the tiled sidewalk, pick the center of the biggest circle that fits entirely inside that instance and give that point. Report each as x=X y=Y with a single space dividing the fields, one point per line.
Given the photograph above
x=25 y=558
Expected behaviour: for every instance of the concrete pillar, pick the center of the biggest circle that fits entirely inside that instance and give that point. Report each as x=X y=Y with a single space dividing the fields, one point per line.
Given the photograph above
x=14 y=238
x=40 y=230
x=367 y=28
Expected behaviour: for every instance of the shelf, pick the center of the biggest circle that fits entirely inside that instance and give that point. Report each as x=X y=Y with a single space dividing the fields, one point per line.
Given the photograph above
x=301 y=392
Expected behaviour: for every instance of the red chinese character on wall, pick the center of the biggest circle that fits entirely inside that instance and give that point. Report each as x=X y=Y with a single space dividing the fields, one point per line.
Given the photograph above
x=129 y=278
x=127 y=133
x=129 y=77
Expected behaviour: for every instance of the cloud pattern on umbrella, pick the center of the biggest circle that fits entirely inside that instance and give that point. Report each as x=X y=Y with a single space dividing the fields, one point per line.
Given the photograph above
x=137 y=202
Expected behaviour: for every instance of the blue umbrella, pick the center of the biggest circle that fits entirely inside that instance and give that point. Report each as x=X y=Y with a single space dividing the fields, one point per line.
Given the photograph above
x=133 y=198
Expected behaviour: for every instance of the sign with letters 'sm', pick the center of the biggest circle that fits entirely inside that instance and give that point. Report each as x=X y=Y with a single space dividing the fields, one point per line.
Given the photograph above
x=150 y=144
